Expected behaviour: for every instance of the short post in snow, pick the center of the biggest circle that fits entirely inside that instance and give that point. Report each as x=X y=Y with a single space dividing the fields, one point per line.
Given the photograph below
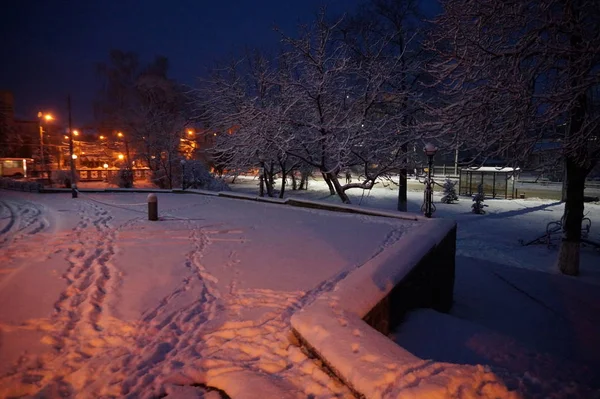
x=152 y=207
x=74 y=191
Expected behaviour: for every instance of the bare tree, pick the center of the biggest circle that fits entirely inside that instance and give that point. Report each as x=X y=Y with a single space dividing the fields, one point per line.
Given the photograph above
x=513 y=71
x=329 y=101
x=148 y=107
x=342 y=97
x=400 y=25
x=244 y=105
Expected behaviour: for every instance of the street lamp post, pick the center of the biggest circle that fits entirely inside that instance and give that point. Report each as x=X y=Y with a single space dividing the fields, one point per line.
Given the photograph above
x=182 y=162
x=430 y=151
x=72 y=152
x=46 y=117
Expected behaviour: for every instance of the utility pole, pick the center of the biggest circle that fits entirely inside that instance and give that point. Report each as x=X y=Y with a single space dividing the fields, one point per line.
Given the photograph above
x=71 y=159
x=40 y=116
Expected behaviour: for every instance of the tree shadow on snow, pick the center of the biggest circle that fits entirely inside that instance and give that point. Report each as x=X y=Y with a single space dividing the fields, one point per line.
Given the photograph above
x=506 y=214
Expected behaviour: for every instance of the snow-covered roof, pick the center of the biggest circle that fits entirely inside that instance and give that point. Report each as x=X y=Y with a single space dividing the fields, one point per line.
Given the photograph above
x=492 y=169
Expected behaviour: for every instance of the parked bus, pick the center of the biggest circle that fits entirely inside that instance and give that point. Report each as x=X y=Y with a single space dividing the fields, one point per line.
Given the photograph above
x=15 y=167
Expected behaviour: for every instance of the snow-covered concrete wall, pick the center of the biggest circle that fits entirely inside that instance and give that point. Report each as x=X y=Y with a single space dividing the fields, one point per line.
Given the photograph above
x=429 y=284
x=347 y=328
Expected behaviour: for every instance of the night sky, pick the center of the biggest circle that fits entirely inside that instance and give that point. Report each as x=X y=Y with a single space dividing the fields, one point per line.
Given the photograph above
x=50 y=48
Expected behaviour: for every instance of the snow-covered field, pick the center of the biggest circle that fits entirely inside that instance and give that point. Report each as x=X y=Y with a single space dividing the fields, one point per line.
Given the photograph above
x=96 y=300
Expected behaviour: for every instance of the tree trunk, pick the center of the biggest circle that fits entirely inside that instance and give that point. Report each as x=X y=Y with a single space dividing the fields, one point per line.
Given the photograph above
x=283 y=183
x=568 y=254
x=402 y=192
x=304 y=180
x=327 y=178
x=338 y=188
x=403 y=183
x=294 y=183
x=563 y=195
x=269 y=182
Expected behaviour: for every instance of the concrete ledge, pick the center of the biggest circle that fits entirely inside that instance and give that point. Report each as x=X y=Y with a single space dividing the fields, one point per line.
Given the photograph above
x=272 y=200
x=195 y=191
x=347 y=328
x=244 y=196
x=137 y=190
x=349 y=208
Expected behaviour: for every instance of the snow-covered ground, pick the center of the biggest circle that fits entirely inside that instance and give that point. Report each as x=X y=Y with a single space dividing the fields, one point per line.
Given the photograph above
x=493 y=236
x=536 y=328
x=96 y=300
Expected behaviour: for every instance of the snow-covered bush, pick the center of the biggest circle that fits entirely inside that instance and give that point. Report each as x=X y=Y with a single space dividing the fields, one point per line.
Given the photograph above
x=197 y=176
x=449 y=192
x=478 y=199
x=123 y=178
x=22 y=185
x=62 y=177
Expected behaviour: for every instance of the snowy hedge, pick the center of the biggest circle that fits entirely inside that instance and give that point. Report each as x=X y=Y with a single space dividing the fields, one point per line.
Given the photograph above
x=21 y=185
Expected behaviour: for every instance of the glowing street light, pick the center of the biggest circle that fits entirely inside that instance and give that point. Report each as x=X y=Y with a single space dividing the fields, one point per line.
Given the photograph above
x=101 y=137
x=75 y=133
x=105 y=172
x=119 y=134
x=47 y=118
x=190 y=132
x=120 y=156
x=74 y=156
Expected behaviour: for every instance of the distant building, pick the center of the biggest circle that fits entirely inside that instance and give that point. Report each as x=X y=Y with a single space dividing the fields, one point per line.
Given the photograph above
x=20 y=137
x=17 y=137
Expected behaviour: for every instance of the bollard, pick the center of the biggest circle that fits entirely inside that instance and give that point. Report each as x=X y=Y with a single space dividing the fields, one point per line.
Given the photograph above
x=74 y=191
x=152 y=207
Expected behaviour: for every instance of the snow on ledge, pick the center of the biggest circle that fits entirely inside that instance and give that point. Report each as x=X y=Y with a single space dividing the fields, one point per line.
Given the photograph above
x=232 y=194
x=196 y=191
x=353 y=209
x=366 y=360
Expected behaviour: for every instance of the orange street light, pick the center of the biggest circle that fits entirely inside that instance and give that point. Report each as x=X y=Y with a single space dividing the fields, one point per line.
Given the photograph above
x=66 y=137
x=75 y=133
x=121 y=157
x=120 y=134
x=190 y=132
x=101 y=137
x=48 y=118
x=74 y=156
